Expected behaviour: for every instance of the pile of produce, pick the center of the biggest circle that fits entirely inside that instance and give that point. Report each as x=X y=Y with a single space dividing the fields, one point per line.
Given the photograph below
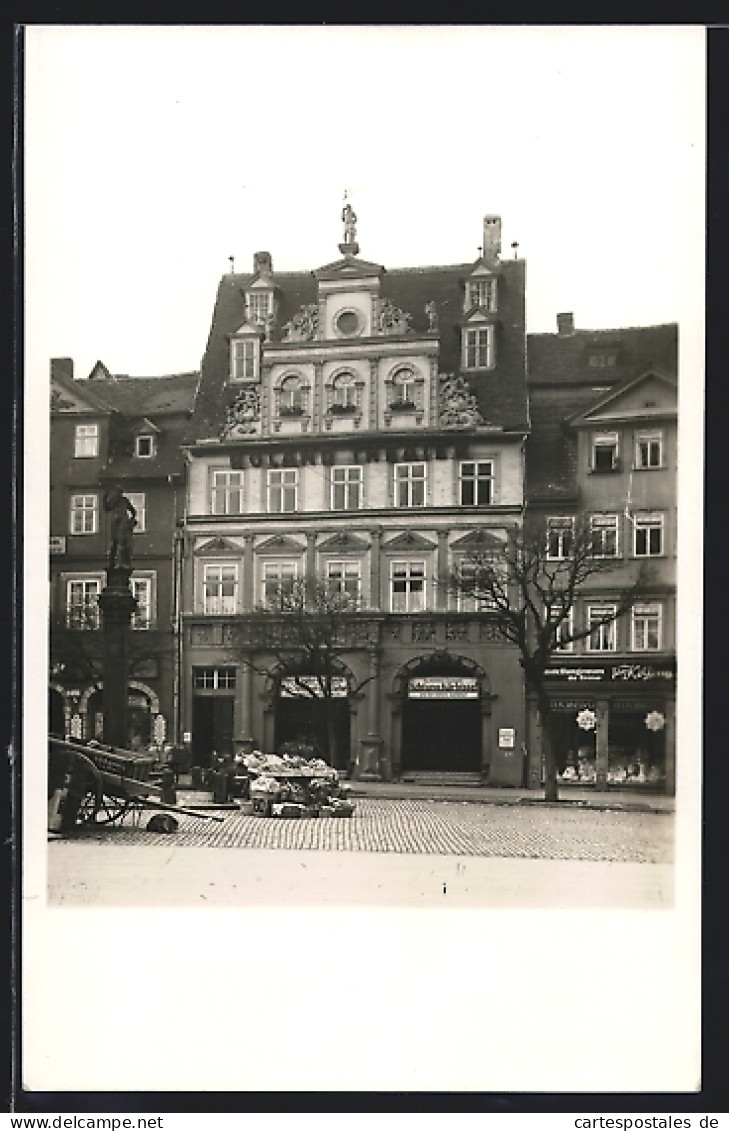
x=290 y=785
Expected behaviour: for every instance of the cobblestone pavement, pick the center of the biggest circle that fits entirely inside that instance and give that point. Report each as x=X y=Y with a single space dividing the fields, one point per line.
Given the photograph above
x=426 y=827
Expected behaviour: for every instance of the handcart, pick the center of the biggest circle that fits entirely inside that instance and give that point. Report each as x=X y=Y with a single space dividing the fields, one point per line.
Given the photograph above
x=94 y=784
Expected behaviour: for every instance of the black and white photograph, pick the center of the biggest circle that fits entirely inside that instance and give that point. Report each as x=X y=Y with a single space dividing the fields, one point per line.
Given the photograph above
x=359 y=556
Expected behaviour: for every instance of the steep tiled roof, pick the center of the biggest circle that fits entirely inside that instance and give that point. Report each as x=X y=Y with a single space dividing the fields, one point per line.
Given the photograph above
x=551 y=450
x=501 y=394
x=166 y=401
x=562 y=384
x=145 y=396
x=562 y=359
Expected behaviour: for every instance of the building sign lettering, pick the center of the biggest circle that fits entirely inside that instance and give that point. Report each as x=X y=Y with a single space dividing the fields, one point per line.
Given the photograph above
x=613 y=672
x=577 y=675
x=641 y=672
x=443 y=687
x=310 y=686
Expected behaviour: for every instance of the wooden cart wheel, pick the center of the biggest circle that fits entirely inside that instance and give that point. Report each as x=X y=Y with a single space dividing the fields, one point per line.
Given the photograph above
x=98 y=808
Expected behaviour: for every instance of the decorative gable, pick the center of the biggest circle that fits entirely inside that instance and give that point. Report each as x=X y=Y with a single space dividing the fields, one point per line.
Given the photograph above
x=479 y=542
x=219 y=545
x=280 y=543
x=344 y=543
x=647 y=396
x=409 y=541
x=247 y=328
x=347 y=269
x=145 y=427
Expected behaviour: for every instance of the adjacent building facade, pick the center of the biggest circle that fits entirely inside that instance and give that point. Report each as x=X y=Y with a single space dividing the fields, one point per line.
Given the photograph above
x=108 y=429
x=603 y=451
x=374 y=428
x=367 y=427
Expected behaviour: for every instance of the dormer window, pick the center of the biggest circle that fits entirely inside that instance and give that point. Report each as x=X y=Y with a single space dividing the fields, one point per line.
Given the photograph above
x=144 y=446
x=602 y=360
x=478 y=347
x=259 y=306
x=481 y=293
x=244 y=357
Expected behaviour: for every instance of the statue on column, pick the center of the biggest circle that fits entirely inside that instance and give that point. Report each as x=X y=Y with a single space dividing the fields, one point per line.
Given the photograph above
x=349 y=219
x=123 y=521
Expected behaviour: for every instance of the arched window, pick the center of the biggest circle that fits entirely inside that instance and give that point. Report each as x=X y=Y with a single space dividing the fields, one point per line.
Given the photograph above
x=404 y=387
x=291 y=397
x=344 y=392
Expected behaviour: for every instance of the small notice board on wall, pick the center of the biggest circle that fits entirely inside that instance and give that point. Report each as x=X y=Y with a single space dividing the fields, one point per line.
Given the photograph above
x=506 y=738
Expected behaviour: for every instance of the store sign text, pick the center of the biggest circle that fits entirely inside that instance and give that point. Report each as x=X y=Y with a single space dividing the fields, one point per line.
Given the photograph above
x=443 y=687
x=310 y=686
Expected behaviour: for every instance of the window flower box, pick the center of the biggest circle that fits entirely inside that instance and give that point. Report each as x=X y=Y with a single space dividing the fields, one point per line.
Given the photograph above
x=342 y=409
x=290 y=410
x=403 y=406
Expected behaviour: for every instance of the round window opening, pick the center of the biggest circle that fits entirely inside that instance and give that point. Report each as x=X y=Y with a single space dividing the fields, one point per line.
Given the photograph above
x=348 y=323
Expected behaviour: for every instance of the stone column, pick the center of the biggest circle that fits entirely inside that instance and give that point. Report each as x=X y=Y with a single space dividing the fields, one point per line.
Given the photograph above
x=601 y=743
x=375 y=565
x=243 y=709
x=117 y=605
x=371 y=753
x=374 y=392
x=248 y=571
x=441 y=592
x=310 y=565
x=318 y=400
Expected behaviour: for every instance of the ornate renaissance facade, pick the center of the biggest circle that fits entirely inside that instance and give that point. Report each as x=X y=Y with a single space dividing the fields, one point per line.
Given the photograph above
x=365 y=427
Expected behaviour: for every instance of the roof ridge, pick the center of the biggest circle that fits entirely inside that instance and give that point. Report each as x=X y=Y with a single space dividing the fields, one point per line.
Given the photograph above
x=610 y=330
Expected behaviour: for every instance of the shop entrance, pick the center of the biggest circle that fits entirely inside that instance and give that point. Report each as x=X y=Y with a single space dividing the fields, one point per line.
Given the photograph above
x=636 y=751
x=212 y=727
x=139 y=719
x=311 y=720
x=574 y=746
x=441 y=735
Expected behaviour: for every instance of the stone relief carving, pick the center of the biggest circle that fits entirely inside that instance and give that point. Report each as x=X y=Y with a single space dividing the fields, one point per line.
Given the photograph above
x=392 y=320
x=304 y=326
x=458 y=406
x=244 y=414
x=423 y=631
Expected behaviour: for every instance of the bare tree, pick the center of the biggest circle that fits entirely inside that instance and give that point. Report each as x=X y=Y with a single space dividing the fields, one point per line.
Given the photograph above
x=528 y=591
x=303 y=631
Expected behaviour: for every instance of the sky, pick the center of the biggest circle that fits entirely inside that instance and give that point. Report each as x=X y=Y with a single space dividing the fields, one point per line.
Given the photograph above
x=153 y=154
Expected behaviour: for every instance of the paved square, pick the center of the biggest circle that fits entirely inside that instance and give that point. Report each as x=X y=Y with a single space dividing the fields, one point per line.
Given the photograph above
x=427 y=827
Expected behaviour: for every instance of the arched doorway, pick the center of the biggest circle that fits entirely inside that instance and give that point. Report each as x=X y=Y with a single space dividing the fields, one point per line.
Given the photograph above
x=442 y=701
x=142 y=705
x=303 y=713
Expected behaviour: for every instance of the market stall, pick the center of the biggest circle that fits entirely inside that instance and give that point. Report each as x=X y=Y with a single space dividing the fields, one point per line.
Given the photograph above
x=293 y=786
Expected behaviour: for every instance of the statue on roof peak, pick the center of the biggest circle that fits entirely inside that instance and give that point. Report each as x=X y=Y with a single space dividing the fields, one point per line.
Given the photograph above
x=349 y=219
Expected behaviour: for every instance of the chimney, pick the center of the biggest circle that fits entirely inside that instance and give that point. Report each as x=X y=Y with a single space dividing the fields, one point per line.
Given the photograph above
x=565 y=325
x=62 y=367
x=491 y=237
x=262 y=263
